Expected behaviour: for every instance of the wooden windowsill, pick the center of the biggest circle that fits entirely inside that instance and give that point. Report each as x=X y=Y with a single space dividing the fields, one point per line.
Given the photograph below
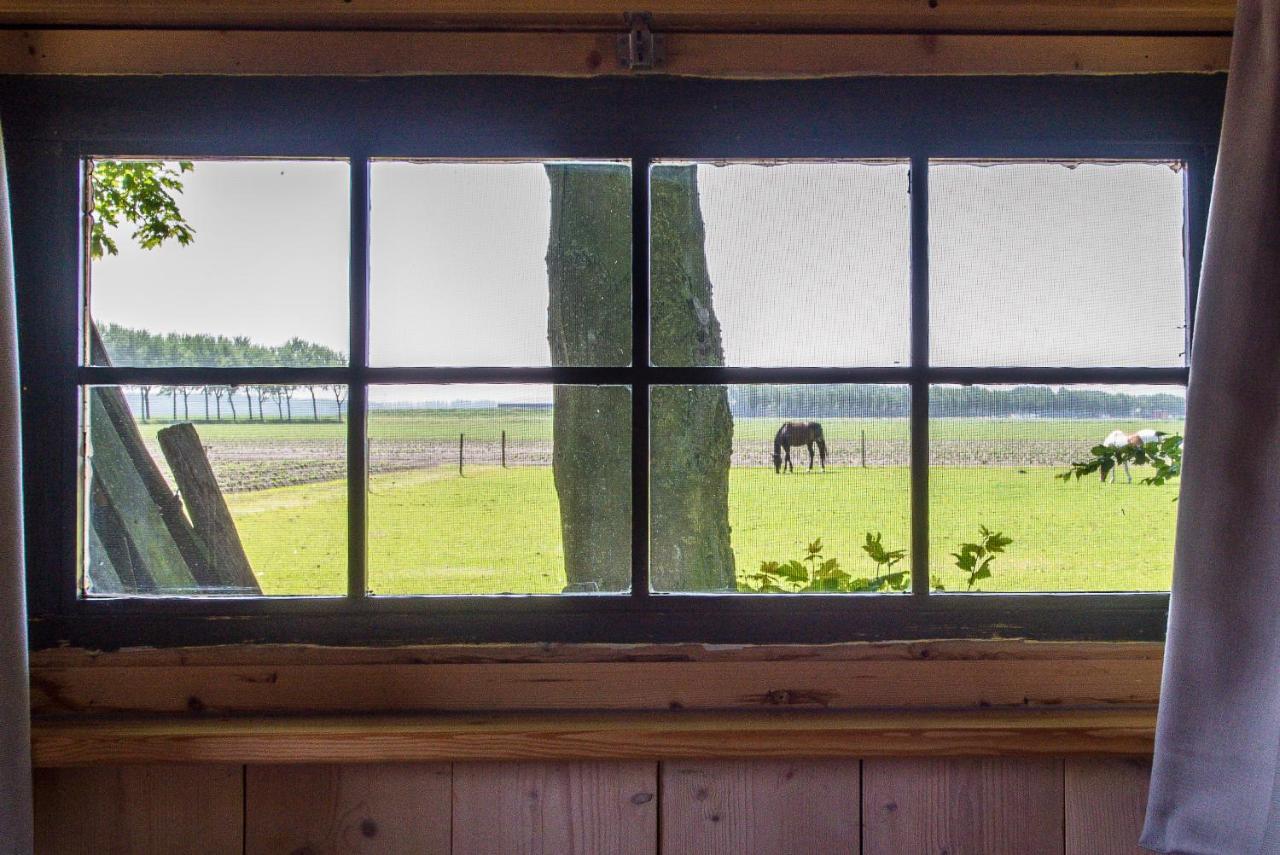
x=592 y=736
x=301 y=680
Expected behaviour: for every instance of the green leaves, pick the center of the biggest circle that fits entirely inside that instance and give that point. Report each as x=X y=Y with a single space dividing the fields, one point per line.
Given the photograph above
x=815 y=574
x=881 y=556
x=974 y=559
x=1164 y=454
x=143 y=194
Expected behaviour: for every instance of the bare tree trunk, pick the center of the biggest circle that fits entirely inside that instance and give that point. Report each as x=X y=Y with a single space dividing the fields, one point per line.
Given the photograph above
x=691 y=426
x=588 y=323
x=588 y=265
x=315 y=409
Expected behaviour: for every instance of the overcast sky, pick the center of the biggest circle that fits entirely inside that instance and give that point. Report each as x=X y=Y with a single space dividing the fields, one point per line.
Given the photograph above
x=810 y=263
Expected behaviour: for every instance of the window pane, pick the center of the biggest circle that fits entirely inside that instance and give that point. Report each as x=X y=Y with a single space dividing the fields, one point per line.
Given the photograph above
x=495 y=489
x=261 y=280
x=216 y=490
x=995 y=456
x=728 y=513
x=1056 y=264
x=500 y=263
x=776 y=264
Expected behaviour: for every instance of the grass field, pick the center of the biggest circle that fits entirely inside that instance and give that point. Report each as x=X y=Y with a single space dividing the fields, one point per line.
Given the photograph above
x=498 y=530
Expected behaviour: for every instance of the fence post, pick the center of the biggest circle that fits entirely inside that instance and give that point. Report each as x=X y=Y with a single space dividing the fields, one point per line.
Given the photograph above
x=504 y=449
x=460 y=436
x=864 y=449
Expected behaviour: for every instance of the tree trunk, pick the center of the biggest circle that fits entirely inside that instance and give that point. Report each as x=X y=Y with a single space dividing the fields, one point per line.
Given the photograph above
x=588 y=265
x=589 y=323
x=315 y=409
x=691 y=426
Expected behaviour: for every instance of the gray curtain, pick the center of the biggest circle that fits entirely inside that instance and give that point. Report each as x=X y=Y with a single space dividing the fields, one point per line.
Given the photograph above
x=1214 y=788
x=15 y=705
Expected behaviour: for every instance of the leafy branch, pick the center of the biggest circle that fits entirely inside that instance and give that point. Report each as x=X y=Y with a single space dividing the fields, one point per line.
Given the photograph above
x=975 y=559
x=143 y=194
x=1163 y=454
x=814 y=573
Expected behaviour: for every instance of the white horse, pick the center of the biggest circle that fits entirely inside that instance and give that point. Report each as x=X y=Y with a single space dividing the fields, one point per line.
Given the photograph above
x=1120 y=439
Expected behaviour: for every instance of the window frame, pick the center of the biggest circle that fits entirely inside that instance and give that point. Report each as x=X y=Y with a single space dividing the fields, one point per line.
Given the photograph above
x=52 y=125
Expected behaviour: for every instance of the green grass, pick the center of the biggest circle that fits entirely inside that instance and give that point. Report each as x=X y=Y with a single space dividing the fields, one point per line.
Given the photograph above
x=431 y=532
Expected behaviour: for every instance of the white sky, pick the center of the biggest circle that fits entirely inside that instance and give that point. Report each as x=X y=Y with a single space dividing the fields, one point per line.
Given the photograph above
x=810 y=263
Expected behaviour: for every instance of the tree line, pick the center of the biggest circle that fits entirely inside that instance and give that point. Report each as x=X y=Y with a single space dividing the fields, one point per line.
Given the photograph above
x=140 y=347
x=871 y=401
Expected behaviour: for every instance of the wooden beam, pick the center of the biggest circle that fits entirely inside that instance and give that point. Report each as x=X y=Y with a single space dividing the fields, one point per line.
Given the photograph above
x=587 y=54
x=668 y=15
x=306 y=680
x=591 y=736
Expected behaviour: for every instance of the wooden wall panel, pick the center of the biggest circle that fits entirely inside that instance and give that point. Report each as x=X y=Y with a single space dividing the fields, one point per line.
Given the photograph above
x=715 y=15
x=139 y=810
x=336 y=810
x=962 y=807
x=555 y=808
x=1105 y=804
x=587 y=54
x=762 y=807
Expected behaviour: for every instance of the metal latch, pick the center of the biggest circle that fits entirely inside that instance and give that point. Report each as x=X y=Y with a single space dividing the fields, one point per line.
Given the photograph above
x=640 y=48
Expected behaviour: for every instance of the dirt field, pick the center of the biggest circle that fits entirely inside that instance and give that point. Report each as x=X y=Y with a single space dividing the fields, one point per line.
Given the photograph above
x=262 y=464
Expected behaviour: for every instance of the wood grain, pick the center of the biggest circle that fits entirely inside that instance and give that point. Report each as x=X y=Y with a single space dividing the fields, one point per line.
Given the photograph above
x=590 y=54
x=569 y=808
x=139 y=810
x=1106 y=800
x=570 y=736
x=971 y=650
x=975 y=675
x=347 y=810
x=792 y=807
x=669 y=15
x=999 y=806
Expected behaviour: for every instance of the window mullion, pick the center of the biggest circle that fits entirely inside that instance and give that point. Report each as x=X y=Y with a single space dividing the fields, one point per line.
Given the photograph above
x=640 y=251
x=920 y=375
x=357 y=391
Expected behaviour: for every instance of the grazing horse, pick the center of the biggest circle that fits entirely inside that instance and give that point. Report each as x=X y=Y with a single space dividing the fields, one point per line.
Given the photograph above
x=797 y=434
x=1120 y=439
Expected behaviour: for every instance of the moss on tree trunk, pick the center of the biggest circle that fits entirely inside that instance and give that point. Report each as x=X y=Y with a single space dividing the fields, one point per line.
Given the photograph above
x=692 y=428
x=589 y=323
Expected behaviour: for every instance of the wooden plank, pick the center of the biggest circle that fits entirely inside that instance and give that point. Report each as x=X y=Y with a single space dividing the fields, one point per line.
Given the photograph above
x=581 y=736
x=139 y=810
x=967 y=650
x=1106 y=800
x=250 y=679
x=771 y=807
x=589 y=54
x=132 y=499
x=391 y=808
x=210 y=517
x=980 y=15
x=570 y=808
x=985 y=805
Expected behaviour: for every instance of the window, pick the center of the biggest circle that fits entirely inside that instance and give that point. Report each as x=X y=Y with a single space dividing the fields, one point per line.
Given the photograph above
x=480 y=370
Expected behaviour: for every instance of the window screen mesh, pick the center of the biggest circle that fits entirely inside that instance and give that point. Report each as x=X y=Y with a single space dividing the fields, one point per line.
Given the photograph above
x=995 y=452
x=216 y=490
x=261 y=280
x=780 y=264
x=1056 y=264
x=477 y=263
x=713 y=447
x=496 y=489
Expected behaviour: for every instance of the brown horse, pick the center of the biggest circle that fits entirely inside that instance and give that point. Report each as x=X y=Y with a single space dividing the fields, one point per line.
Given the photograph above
x=796 y=434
